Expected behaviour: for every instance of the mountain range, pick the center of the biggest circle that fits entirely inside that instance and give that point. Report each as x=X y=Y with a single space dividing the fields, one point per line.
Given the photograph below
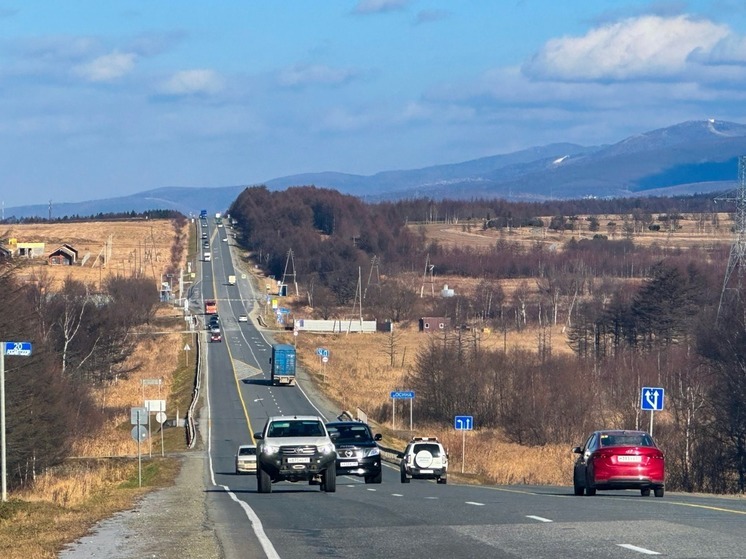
x=686 y=158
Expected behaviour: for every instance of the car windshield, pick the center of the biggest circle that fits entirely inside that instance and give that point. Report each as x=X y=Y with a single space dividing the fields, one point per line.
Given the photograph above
x=246 y=451
x=351 y=433
x=627 y=439
x=296 y=428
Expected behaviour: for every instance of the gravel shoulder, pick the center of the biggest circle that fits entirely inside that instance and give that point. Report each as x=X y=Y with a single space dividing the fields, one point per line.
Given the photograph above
x=169 y=523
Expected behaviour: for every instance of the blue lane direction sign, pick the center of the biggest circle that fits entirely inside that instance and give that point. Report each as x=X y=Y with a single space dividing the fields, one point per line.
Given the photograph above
x=464 y=422
x=402 y=394
x=17 y=348
x=651 y=398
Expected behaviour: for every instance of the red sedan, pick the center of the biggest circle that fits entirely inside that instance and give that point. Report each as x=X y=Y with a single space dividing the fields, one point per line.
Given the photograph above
x=216 y=337
x=619 y=460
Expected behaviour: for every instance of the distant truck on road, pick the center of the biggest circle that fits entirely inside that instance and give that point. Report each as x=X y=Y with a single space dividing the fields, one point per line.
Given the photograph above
x=283 y=364
x=207 y=256
x=211 y=306
x=203 y=214
x=231 y=280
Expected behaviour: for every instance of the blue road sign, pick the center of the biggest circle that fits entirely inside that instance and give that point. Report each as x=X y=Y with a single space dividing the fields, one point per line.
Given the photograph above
x=402 y=394
x=17 y=348
x=651 y=399
x=322 y=352
x=464 y=422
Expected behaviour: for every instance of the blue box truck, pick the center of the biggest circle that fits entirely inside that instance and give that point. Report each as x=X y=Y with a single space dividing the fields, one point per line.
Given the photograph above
x=283 y=364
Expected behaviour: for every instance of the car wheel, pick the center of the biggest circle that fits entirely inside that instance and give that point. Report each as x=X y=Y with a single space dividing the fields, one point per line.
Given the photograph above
x=263 y=481
x=442 y=480
x=645 y=492
x=578 y=490
x=404 y=478
x=329 y=484
x=377 y=478
x=659 y=491
x=590 y=491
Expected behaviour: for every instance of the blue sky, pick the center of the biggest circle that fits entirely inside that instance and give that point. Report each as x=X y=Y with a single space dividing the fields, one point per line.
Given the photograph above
x=101 y=99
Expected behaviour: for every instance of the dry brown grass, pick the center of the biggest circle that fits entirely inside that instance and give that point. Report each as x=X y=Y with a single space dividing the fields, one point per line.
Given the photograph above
x=692 y=232
x=142 y=247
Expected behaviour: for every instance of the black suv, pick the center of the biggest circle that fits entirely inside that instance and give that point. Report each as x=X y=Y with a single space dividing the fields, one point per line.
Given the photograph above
x=357 y=451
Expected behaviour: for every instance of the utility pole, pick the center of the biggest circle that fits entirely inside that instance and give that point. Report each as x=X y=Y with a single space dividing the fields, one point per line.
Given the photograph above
x=737 y=258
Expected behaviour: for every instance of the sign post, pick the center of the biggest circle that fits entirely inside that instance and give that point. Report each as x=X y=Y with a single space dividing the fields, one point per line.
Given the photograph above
x=651 y=399
x=22 y=349
x=138 y=418
x=463 y=423
x=401 y=395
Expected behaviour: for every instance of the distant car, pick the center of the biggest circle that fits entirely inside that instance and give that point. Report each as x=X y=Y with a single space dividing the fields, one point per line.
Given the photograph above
x=246 y=458
x=216 y=337
x=214 y=329
x=616 y=459
x=243 y=318
x=206 y=245
x=424 y=458
x=357 y=451
x=225 y=240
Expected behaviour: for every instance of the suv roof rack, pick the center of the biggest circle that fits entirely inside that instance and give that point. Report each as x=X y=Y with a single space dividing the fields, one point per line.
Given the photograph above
x=434 y=439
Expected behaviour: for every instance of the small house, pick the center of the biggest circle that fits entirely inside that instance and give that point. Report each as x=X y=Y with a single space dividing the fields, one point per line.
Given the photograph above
x=63 y=256
x=30 y=250
x=435 y=324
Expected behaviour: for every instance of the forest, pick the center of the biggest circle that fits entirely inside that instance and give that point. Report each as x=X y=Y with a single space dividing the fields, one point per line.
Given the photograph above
x=633 y=315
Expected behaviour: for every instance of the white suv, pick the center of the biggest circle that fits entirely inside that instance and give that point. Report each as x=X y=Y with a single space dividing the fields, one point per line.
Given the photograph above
x=424 y=458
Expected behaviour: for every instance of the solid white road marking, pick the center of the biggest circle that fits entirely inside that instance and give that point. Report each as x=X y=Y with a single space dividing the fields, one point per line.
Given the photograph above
x=638 y=549
x=475 y=503
x=539 y=518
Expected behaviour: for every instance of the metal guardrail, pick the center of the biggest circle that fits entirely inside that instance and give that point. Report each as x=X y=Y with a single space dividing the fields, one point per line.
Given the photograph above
x=191 y=430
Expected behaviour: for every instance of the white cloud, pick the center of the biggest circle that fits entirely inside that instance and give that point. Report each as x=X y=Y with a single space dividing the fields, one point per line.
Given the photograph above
x=108 y=67
x=730 y=50
x=300 y=75
x=192 y=82
x=379 y=6
x=647 y=47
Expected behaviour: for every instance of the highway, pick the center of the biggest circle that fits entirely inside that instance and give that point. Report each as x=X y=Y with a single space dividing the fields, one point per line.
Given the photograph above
x=420 y=519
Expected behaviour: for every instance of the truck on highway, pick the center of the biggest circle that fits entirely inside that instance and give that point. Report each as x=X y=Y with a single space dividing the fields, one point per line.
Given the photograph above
x=283 y=364
x=211 y=306
x=203 y=214
x=231 y=280
x=207 y=256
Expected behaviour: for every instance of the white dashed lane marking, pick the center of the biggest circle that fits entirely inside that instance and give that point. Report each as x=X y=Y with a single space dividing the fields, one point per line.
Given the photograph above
x=539 y=518
x=475 y=503
x=638 y=549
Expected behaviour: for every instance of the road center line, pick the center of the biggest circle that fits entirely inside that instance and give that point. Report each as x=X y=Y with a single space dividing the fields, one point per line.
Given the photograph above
x=638 y=549
x=539 y=518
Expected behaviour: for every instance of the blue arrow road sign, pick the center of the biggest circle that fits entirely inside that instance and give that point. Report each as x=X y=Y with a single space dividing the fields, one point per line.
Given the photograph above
x=403 y=394
x=464 y=422
x=651 y=399
x=17 y=348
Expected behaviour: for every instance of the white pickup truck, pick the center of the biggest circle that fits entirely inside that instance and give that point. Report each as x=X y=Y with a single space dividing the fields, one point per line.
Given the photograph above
x=295 y=448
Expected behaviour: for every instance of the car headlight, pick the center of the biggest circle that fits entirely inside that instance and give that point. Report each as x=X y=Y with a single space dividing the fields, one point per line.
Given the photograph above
x=326 y=449
x=269 y=449
x=373 y=452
